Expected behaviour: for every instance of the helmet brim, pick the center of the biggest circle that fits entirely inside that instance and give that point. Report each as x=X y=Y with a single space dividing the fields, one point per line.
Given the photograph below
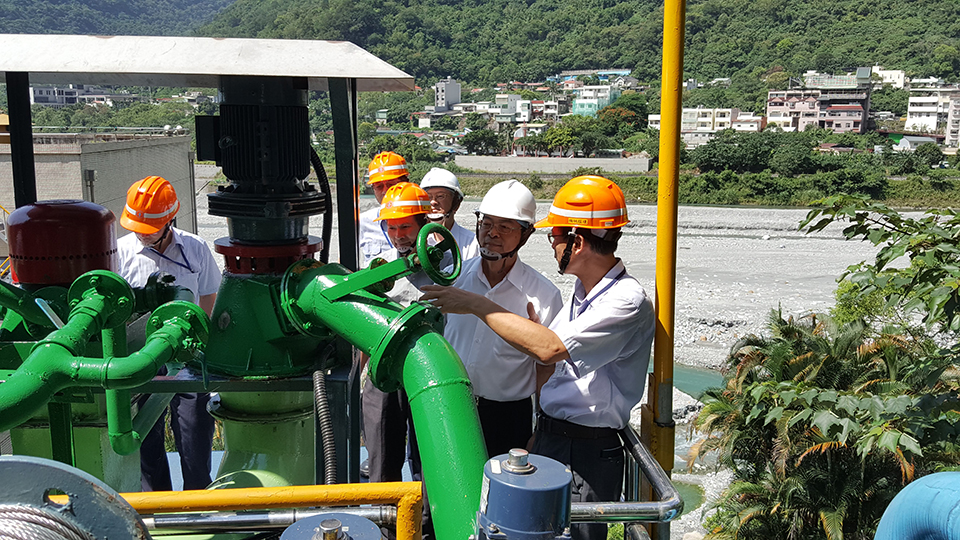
x=136 y=226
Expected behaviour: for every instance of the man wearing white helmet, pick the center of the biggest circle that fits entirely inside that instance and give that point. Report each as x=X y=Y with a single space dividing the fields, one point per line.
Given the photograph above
x=504 y=379
x=445 y=198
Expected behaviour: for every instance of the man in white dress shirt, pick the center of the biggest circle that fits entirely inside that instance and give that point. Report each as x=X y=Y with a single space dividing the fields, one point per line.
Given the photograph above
x=156 y=245
x=599 y=344
x=503 y=378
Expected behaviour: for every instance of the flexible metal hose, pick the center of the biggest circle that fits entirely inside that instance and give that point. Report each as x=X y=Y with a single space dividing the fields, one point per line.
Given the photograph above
x=19 y=522
x=324 y=421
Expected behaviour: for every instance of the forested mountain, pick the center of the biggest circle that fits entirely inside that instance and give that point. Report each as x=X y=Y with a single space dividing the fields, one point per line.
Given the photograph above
x=498 y=40
x=106 y=17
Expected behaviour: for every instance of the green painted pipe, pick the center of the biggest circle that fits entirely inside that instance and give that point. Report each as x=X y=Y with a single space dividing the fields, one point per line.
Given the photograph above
x=405 y=346
x=24 y=304
x=448 y=431
x=54 y=363
x=127 y=433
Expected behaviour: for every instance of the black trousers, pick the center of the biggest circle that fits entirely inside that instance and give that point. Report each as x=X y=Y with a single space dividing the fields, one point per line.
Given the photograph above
x=388 y=435
x=597 y=466
x=386 y=419
x=193 y=434
x=505 y=424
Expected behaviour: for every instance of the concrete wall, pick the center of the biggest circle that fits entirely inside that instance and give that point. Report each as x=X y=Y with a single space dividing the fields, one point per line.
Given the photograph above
x=116 y=165
x=59 y=169
x=498 y=164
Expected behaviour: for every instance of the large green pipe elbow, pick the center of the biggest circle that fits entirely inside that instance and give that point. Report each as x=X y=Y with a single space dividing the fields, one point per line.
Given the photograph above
x=405 y=347
x=448 y=431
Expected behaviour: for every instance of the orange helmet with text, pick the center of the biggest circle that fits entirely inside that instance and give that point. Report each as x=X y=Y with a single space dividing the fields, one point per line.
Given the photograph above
x=587 y=202
x=151 y=204
x=402 y=200
x=386 y=166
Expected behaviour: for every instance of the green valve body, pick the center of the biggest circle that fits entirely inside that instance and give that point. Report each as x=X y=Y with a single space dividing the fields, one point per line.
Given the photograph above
x=249 y=335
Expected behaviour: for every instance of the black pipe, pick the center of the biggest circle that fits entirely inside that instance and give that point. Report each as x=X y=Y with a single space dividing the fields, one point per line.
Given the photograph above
x=21 y=139
x=327 y=205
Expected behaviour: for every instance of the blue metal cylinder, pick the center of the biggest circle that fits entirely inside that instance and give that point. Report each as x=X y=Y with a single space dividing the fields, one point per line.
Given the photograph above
x=525 y=497
x=333 y=526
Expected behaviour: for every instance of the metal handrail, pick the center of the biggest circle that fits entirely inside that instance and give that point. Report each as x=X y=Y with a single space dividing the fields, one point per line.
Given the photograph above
x=667 y=507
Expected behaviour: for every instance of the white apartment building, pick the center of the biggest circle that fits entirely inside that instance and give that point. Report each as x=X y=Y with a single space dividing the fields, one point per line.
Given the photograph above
x=506 y=103
x=896 y=78
x=590 y=99
x=953 y=123
x=928 y=108
x=446 y=94
x=700 y=125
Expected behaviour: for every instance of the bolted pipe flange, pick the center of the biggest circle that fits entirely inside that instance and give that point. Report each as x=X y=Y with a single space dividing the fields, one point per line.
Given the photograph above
x=290 y=287
x=385 y=361
x=193 y=318
x=117 y=294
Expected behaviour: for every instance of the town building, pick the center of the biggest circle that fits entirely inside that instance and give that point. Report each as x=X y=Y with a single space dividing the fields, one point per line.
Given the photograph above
x=836 y=102
x=446 y=94
x=953 y=123
x=897 y=78
x=59 y=96
x=700 y=125
x=590 y=99
x=909 y=143
x=929 y=106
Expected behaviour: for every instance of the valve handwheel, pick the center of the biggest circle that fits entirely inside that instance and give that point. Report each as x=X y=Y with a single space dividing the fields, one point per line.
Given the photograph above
x=432 y=256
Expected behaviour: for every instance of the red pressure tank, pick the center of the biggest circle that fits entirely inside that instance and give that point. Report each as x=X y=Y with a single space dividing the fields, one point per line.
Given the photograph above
x=54 y=242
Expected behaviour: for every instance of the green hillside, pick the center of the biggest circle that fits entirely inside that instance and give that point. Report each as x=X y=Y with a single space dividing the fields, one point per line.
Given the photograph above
x=106 y=17
x=499 y=40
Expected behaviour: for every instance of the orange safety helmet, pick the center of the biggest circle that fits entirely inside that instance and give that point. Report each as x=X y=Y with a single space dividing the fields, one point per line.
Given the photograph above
x=402 y=200
x=151 y=204
x=386 y=166
x=587 y=202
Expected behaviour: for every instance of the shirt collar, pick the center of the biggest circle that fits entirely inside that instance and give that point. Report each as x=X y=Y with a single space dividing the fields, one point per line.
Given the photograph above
x=579 y=295
x=514 y=276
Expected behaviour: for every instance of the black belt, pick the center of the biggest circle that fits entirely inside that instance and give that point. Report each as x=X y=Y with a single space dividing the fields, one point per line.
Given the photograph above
x=569 y=429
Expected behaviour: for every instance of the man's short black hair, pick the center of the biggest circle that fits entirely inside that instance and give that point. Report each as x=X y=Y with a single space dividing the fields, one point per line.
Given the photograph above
x=602 y=246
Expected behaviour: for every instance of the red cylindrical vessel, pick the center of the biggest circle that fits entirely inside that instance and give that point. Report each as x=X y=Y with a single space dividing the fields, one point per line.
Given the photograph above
x=54 y=242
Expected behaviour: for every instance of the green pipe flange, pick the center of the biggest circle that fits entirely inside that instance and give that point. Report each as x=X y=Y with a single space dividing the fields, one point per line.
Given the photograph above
x=384 y=368
x=116 y=292
x=290 y=291
x=196 y=319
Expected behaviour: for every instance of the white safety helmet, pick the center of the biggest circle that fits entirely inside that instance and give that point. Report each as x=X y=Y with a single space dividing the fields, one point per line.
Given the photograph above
x=437 y=177
x=509 y=199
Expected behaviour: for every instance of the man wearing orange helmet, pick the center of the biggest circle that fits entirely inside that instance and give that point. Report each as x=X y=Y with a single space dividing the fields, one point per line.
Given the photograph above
x=385 y=170
x=386 y=415
x=598 y=345
x=157 y=246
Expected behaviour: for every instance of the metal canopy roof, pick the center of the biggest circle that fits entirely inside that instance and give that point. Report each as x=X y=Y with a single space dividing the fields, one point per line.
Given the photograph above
x=192 y=61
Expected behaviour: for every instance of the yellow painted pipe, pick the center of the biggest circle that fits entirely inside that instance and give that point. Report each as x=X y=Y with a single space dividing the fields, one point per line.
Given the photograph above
x=662 y=429
x=406 y=495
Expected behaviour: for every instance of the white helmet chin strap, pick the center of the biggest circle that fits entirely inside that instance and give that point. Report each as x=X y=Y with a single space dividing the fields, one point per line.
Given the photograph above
x=493 y=255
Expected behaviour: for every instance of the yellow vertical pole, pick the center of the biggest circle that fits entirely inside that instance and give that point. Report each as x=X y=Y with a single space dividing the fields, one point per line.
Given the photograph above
x=658 y=422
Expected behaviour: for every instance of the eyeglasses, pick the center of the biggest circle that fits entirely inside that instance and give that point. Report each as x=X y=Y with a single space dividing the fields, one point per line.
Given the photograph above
x=551 y=238
x=502 y=228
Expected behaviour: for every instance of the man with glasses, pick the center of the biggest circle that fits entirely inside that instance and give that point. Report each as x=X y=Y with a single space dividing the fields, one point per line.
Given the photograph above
x=503 y=378
x=445 y=198
x=598 y=345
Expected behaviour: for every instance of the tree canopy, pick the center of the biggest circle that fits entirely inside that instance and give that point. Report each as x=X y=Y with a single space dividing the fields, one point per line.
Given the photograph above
x=104 y=17
x=529 y=40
